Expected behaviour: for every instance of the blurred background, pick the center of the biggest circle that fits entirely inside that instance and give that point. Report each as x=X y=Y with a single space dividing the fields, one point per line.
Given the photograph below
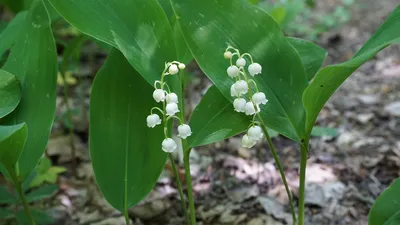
x=355 y=149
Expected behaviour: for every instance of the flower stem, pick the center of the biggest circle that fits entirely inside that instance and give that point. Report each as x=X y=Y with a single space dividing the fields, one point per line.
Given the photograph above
x=18 y=187
x=186 y=153
x=303 y=166
x=126 y=215
x=280 y=168
x=180 y=190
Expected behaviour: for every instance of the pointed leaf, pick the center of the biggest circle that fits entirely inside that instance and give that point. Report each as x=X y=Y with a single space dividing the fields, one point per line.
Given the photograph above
x=210 y=26
x=33 y=60
x=41 y=193
x=11 y=33
x=126 y=154
x=12 y=141
x=40 y=217
x=331 y=77
x=10 y=92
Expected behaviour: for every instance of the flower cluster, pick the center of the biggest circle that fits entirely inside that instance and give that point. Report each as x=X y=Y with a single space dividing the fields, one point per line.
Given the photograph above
x=162 y=93
x=245 y=100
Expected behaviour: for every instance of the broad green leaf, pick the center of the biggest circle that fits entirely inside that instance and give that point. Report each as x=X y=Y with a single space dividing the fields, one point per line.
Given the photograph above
x=10 y=92
x=41 y=193
x=50 y=176
x=5 y=196
x=40 y=217
x=33 y=60
x=126 y=154
x=138 y=28
x=394 y=220
x=12 y=141
x=11 y=33
x=386 y=205
x=5 y=213
x=214 y=119
x=312 y=56
x=331 y=77
x=324 y=131
x=210 y=26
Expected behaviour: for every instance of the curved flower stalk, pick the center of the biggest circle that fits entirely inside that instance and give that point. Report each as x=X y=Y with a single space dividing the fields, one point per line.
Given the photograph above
x=251 y=104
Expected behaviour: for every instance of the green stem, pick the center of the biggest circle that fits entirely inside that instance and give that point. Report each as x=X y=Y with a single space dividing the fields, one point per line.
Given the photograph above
x=18 y=187
x=189 y=182
x=280 y=168
x=303 y=166
x=180 y=190
x=126 y=215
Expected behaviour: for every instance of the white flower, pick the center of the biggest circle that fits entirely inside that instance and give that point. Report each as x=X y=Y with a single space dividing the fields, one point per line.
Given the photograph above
x=173 y=69
x=153 y=120
x=255 y=133
x=227 y=55
x=233 y=91
x=255 y=69
x=181 y=66
x=247 y=142
x=239 y=104
x=250 y=110
x=159 y=95
x=233 y=71
x=171 y=98
x=241 y=87
x=171 y=108
x=184 y=131
x=259 y=98
x=241 y=62
x=169 y=145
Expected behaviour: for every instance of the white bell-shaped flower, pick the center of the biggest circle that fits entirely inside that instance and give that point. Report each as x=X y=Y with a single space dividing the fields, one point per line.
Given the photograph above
x=169 y=145
x=240 y=62
x=255 y=69
x=181 y=66
x=247 y=142
x=255 y=133
x=171 y=98
x=159 y=95
x=228 y=55
x=250 y=110
x=153 y=120
x=184 y=131
x=171 y=108
x=233 y=91
x=241 y=87
x=239 y=104
x=259 y=98
x=233 y=71
x=173 y=69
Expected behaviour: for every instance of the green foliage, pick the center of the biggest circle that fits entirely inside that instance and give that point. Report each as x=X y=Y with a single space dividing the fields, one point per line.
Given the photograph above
x=5 y=213
x=5 y=196
x=46 y=173
x=41 y=193
x=18 y=5
x=10 y=92
x=12 y=141
x=39 y=216
x=318 y=131
x=386 y=209
x=119 y=137
x=9 y=35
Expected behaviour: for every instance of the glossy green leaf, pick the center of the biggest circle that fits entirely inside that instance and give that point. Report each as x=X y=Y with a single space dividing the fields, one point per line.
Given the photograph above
x=33 y=60
x=138 y=28
x=210 y=26
x=41 y=193
x=12 y=141
x=11 y=33
x=318 y=131
x=312 y=56
x=214 y=119
x=394 y=220
x=10 y=93
x=119 y=137
x=5 y=213
x=40 y=217
x=331 y=77
x=5 y=196
x=386 y=205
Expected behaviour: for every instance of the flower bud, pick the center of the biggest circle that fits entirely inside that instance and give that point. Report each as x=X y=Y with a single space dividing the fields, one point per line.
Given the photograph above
x=255 y=133
x=241 y=87
x=181 y=66
x=153 y=120
x=169 y=145
x=239 y=104
x=227 y=55
x=255 y=69
x=250 y=110
x=173 y=69
x=233 y=71
x=159 y=95
x=241 y=62
x=184 y=131
x=247 y=142
x=171 y=98
x=171 y=109
x=259 y=98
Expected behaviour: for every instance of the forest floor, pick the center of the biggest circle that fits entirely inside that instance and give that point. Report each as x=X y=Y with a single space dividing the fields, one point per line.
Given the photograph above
x=234 y=185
